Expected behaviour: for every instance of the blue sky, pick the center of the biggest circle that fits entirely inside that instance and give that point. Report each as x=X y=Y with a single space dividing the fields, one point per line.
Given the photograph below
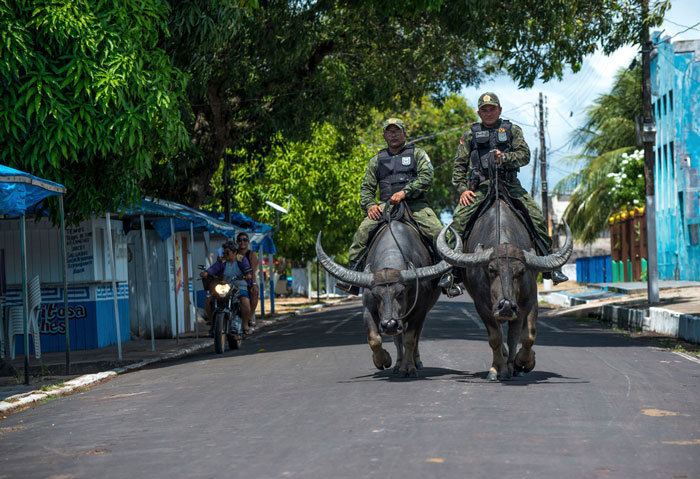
x=568 y=98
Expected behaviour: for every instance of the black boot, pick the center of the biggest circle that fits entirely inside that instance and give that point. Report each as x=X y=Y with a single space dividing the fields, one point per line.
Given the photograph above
x=559 y=277
x=349 y=288
x=449 y=283
x=556 y=276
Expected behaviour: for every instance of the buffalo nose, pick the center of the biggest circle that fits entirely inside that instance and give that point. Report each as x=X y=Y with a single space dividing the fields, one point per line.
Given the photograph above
x=391 y=326
x=506 y=306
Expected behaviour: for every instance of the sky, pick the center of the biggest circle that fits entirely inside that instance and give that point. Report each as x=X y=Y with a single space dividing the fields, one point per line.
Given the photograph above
x=567 y=99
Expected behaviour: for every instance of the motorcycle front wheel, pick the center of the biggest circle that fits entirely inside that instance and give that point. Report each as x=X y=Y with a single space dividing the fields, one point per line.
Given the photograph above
x=219 y=333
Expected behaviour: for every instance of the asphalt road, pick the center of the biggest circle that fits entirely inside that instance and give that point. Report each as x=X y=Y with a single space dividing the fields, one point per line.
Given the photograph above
x=304 y=400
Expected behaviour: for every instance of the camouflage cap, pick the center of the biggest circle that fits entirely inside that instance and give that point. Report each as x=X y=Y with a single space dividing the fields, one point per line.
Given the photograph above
x=488 y=98
x=393 y=121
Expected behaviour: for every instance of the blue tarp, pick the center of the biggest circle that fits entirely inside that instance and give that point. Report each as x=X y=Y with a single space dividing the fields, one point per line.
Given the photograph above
x=19 y=191
x=160 y=211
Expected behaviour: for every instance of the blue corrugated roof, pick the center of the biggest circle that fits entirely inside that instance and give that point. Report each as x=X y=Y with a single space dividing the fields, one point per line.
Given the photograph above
x=19 y=191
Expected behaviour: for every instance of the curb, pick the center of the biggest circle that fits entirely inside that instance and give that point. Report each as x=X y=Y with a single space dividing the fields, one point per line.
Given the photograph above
x=655 y=319
x=23 y=401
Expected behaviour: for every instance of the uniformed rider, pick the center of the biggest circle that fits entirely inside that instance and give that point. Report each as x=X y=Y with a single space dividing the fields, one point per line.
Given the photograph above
x=403 y=173
x=504 y=142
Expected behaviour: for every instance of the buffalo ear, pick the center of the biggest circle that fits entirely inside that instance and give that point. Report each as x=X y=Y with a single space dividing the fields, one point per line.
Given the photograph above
x=368 y=268
x=479 y=248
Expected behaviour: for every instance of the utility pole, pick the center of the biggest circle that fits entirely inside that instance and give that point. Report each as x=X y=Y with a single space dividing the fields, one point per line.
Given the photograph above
x=543 y=165
x=648 y=138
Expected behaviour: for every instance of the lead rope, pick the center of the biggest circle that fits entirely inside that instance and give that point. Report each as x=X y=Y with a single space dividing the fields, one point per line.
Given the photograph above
x=498 y=220
x=402 y=206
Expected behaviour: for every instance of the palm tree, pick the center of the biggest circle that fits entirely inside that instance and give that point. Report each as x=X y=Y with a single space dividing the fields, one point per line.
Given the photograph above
x=608 y=133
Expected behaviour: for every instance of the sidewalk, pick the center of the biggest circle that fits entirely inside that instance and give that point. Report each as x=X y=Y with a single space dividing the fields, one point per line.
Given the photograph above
x=625 y=305
x=90 y=367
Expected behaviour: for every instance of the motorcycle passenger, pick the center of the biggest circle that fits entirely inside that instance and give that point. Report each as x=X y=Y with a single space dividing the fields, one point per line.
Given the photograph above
x=232 y=266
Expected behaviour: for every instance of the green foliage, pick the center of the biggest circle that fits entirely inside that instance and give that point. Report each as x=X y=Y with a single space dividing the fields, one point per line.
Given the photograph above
x=324 y=176
x=607 y=139
x=87 y=97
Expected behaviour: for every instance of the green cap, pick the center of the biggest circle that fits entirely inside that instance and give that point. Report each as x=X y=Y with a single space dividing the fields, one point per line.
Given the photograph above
x=393 y=121
x=488 y=98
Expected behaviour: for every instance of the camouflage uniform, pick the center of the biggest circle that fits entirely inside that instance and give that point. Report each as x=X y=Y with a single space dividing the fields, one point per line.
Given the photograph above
x=425 y=217
x=519 y=155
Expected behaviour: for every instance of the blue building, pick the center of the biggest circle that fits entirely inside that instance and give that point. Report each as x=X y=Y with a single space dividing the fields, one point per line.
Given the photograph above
x=675 y=87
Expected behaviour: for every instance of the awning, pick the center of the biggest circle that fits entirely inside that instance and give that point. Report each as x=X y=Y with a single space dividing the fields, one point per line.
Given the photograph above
x=19 y=191
x=159 y=212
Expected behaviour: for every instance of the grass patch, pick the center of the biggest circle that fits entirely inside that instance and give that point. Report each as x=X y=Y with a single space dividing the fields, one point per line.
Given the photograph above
x=11 y=400
x=51 y=387
x=48 y=399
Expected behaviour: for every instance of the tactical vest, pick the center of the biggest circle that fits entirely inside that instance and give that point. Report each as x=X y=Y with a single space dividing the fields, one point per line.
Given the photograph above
x=486 y=139
x=394 y=172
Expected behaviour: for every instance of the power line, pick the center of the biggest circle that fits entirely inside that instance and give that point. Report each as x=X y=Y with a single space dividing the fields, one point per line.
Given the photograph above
x=683 y=31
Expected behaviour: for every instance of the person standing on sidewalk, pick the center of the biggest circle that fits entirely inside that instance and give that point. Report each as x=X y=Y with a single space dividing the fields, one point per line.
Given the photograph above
x=243 y=241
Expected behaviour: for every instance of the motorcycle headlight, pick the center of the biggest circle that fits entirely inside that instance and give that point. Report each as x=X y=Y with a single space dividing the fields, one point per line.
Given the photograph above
x=222 y=289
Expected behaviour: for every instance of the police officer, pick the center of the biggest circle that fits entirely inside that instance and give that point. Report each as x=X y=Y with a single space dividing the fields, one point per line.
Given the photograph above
x=504 y=142
x=402 y=173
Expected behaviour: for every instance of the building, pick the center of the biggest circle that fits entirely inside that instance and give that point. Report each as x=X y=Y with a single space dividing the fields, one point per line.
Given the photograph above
x=675 y=87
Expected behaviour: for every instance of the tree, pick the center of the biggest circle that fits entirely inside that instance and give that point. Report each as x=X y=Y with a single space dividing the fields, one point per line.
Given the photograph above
x=88 y=99
x=286 y=67
x=324 y=175
x=607 y=138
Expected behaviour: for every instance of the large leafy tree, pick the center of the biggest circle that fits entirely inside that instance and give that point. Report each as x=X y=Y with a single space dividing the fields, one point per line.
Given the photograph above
x=88 y=99
x=288 y=66
x=324 y=178
x=607 y=138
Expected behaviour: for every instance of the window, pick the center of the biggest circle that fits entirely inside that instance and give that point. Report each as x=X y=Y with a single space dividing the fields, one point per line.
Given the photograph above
x=670 y=100
x=694 y=233
x=670 y=152
x=658 y=107
x=664 y=104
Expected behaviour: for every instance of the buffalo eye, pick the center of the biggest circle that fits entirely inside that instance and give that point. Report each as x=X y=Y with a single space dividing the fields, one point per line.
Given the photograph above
x=493 y=271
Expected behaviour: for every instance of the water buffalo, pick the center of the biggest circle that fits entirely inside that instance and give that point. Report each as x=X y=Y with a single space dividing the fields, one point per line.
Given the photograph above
x=400 y=284
x=500 y=275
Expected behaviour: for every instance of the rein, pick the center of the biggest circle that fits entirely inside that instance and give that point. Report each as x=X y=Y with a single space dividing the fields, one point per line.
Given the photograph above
x=388 y=217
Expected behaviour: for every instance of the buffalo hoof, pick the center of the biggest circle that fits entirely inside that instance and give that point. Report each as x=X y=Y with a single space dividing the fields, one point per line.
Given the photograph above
x=396 y=368
x=519 y=374
x=524 y=367
x=419 y=364
x=492 y=376
x=383 y=361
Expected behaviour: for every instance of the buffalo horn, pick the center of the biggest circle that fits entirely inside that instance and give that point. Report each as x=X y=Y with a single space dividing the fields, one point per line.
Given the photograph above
x=356 y=278
x=456 y=257
x=429 y=272
x=551 y=261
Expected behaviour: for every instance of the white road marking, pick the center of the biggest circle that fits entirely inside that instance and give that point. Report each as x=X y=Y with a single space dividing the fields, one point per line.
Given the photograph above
x=553 y=328
x=687 y=356
x=479 y=323
x=332 y=330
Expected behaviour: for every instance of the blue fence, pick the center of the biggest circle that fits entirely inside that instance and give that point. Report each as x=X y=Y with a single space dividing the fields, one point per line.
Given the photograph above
x=594 y=269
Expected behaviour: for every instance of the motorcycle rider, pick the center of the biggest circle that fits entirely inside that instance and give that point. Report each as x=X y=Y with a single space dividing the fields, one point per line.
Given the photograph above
x=232 y=266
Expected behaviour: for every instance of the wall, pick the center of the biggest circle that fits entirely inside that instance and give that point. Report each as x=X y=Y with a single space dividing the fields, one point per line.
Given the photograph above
x=675 y=75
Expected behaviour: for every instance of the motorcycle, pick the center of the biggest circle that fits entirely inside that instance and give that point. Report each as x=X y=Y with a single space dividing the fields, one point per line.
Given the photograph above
x=226 y=313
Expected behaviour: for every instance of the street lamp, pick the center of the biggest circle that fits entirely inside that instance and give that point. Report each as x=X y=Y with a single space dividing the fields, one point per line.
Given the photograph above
x=278 y=210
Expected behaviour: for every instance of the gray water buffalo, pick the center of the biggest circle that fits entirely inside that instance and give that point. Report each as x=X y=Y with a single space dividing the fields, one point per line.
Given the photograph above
x=501 y=277
x=400 y=284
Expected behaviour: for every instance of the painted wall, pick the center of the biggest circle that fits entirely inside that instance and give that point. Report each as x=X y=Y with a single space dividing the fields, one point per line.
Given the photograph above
x=90 y=301
x=675 y=82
